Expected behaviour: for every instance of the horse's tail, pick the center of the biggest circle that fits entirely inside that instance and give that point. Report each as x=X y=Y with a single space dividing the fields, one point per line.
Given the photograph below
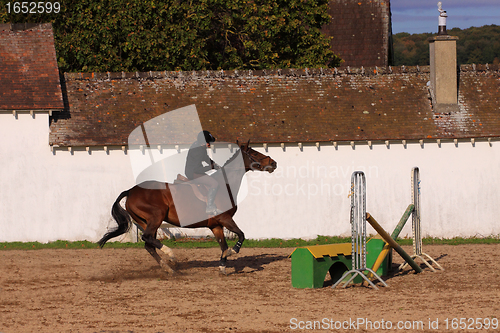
x=121 y=217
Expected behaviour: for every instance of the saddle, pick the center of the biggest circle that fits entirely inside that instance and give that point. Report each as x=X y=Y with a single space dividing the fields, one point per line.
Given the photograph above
x=200 y=191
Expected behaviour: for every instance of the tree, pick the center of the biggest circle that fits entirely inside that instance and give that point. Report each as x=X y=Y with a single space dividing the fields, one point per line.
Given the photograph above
x=138 y=35
x=474 y=45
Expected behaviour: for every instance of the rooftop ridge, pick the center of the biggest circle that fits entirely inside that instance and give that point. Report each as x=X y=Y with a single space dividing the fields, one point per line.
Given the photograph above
x=306 y=72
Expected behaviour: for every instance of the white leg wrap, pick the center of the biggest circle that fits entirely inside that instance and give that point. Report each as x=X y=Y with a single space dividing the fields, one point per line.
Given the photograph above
x=168 y=251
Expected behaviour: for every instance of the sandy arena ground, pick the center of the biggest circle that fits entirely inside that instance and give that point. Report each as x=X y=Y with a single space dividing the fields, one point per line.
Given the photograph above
x=123 y=290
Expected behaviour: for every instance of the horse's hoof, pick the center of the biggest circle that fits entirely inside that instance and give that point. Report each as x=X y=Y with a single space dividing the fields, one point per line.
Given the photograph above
x=169 y=271
x=222 y=270
x=167 y=268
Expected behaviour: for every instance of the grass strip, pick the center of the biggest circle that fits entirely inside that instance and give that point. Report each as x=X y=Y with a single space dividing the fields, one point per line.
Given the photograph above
x=210 y=242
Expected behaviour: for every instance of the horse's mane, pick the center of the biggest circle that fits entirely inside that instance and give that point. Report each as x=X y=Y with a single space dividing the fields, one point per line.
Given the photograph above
x=232 y=158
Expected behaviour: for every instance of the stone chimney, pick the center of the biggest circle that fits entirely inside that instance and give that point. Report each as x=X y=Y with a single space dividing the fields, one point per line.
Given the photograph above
x=443 y=65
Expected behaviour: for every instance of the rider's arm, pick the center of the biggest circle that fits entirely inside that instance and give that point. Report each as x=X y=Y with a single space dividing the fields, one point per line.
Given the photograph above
x=196 y=157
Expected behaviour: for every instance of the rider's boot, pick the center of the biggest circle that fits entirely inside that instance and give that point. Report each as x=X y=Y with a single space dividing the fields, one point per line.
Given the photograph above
x=211 y=208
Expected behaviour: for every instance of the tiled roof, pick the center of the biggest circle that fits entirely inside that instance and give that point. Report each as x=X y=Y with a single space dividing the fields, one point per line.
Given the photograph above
x=279 y=106
x=29 y=74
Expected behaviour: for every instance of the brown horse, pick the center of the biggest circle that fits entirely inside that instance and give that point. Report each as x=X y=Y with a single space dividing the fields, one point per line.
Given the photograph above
x=151 y=203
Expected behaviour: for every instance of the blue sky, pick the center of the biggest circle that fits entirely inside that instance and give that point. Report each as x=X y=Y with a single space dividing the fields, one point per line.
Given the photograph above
x=419 y=16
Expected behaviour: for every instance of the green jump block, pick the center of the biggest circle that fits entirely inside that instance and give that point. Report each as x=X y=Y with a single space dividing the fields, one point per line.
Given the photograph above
x=311 y=263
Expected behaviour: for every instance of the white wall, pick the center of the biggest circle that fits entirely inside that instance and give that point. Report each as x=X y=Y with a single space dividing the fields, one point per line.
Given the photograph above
x=459 y=195
x=46 y=196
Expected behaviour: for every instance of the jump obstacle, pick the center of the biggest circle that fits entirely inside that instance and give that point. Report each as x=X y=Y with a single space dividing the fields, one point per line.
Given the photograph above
x=414 y=210
x=358 y=232
x=416 y=229
x=310 y=264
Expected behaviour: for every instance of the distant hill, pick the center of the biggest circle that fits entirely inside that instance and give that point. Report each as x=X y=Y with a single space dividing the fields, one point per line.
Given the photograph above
x=474 y=46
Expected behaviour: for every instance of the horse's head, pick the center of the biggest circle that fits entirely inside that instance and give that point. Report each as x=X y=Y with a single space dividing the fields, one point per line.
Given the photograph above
x=257 y=161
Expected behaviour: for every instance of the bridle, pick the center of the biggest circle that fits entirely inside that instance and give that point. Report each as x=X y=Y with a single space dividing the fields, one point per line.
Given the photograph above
x=254 y=160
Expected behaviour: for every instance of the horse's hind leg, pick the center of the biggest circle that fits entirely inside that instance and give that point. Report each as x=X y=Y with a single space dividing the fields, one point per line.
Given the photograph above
x=154 y=254
x=152 y=250
x=151 y=244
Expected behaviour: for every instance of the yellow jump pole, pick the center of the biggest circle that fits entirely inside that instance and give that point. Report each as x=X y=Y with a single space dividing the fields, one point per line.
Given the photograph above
x=392 y=243
x=394 y=235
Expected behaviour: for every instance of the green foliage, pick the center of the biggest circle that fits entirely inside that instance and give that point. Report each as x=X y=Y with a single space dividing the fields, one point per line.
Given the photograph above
x=138 y=35
x=474 y=46
x=411 y=50
x=478 y=45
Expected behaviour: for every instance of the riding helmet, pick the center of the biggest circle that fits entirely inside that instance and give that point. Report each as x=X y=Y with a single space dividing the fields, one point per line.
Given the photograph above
x=205 y=137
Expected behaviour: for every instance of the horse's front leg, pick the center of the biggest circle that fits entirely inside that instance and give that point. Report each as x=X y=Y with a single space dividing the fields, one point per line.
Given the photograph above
x=230 y=225
x=219 y=236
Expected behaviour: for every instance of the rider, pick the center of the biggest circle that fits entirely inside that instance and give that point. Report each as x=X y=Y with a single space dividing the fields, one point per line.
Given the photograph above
x=198 y=163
